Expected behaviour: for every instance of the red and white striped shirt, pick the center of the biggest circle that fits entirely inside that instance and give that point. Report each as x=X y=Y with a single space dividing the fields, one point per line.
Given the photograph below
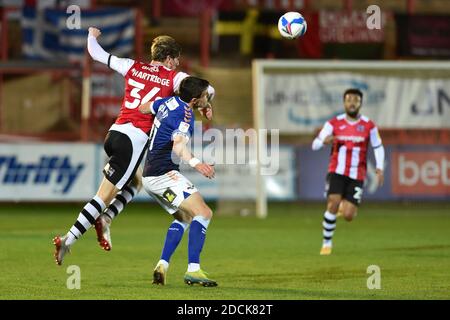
x=145 y=82
x=350 y=144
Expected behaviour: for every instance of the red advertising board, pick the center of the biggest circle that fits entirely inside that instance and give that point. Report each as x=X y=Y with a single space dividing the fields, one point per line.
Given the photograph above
x=420 y=173
x=349 y=27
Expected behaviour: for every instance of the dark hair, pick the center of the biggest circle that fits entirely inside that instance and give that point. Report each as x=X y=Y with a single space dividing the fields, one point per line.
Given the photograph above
x=164 y=46
x=192 y=87
x=353 y=91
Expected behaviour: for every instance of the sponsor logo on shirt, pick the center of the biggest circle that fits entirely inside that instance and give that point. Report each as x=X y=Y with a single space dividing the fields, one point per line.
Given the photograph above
x=350 y=138
x=184 y=127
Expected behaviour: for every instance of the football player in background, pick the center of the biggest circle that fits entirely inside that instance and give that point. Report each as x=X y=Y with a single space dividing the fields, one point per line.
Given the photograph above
x=127 y=138
x=349 y=135
x=172 y=129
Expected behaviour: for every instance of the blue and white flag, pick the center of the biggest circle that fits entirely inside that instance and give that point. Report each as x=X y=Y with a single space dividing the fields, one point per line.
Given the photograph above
x=47 y=34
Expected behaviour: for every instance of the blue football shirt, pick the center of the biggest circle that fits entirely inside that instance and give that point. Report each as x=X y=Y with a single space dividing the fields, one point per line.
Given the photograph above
x=173 y=117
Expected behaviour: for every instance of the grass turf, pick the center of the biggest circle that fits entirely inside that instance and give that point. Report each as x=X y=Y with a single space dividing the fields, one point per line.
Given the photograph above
x=275 y=258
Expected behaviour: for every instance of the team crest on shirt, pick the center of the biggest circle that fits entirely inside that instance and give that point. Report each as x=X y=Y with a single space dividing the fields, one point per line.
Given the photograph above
x=169 y=195
x=360 y=128
x=162 y=113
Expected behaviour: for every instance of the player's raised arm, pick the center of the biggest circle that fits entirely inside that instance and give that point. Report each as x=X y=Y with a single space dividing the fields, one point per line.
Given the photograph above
x=207 y=111
x=181 y=150
x=121 y=65
x=325 y=137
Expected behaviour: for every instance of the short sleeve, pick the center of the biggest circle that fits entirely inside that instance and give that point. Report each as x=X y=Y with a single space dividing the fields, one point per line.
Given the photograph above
x=182 y=129
x=177 y=80
x=154 y=107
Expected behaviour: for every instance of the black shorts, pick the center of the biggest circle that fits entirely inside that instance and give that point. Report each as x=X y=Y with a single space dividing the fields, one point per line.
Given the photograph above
x=350 y=189
x=125 y=149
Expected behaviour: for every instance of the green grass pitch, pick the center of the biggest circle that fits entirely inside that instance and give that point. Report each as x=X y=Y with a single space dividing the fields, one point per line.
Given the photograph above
x=275 y=258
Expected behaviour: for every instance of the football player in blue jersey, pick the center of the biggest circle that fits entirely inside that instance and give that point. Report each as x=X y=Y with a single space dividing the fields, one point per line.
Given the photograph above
x=173 y=127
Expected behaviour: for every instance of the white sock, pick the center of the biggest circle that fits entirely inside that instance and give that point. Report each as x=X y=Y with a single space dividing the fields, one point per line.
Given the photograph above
x=329 y=225
x=70 y=239
x=107 y=219
x=327 y=243
x=203 y=221
x=164 y=263
x=183 y=224
x=192 y=267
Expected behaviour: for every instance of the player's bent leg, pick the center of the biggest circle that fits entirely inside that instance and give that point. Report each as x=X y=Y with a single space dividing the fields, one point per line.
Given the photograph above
x=173 y=238
x=126 y=147
x=87 y=217
x=350 y=210
x=126 y=194
x=329 y=223
x=137 y=179
x=333 y=202
x=107 y=190
x=185 y=217
x=194 y=205
x=202 y=214
x=117 y=205
x=340 y=212
x=103 y=222
x=352 y=198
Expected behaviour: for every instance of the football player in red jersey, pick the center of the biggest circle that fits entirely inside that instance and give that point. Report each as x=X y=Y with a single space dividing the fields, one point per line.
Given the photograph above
x=126 y=141
x=349 y=135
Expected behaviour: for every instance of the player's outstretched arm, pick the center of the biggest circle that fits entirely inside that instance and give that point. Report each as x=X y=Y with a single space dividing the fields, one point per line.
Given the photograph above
x=121 y=65
x=181 y=150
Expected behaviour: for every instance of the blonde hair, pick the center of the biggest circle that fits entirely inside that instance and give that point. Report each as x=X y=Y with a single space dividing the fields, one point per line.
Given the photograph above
x=163 y=46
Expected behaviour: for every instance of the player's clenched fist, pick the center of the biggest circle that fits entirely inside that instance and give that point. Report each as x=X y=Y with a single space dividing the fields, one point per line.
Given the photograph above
x=205 y=169
x=94 y=32
x=328 y=140
x=207 y=112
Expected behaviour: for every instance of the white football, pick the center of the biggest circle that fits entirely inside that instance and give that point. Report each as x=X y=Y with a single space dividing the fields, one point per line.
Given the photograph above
x=292 y=25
